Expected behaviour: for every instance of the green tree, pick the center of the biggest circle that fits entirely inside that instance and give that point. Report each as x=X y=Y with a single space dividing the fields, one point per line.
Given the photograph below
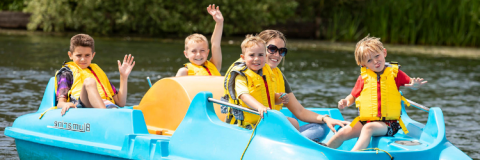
x=155 y=17
x=11 y=5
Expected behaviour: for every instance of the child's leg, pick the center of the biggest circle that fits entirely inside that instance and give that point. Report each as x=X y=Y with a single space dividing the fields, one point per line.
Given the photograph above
x=89 y=94
x=294 y=122
x=369 y=130
x=344 y=134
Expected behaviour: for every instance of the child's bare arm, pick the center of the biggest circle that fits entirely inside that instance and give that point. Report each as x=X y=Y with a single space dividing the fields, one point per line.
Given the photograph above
x=182 y=72
x=216 y=36
x=64 y=105
x=415 y=83
x=124 y=69
x=254 y=104
x=346 y=102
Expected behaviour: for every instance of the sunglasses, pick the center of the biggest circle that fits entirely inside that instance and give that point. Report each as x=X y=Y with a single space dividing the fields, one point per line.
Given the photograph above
x=272 y=49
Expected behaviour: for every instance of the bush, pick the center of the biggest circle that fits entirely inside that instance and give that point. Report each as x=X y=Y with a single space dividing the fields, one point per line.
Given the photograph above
x=11 y=5
x=155 y=17
x=440 y=22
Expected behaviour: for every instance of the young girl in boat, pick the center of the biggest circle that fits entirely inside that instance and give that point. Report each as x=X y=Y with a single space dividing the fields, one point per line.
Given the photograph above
x=196 y=50
x=83 y=84
x=276 y=50
x=377 y=96
x=249 y=83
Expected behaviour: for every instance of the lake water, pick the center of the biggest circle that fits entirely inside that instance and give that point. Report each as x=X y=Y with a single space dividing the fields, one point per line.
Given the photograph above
x=319 y=78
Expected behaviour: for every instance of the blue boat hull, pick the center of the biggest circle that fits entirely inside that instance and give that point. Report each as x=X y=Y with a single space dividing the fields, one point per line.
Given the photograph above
x=33 y=150
x=122 y=134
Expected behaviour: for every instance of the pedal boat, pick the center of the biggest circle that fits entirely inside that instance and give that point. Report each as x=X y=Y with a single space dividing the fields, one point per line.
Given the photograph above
x=201 y=134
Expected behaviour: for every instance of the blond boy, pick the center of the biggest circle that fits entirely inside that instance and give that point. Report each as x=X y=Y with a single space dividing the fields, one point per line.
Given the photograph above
x=196 y=50
x=384 y=119
x=253 y=85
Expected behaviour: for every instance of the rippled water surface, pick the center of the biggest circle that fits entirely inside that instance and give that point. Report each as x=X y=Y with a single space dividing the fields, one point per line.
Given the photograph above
x=319 y=78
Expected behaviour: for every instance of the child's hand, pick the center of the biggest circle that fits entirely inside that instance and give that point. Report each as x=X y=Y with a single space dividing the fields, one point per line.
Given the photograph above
x=127 y=66
x=342 y=103
x=281 y=99
x=66 y=106
x=262 y=110
x=216 y=14
x=416 y=83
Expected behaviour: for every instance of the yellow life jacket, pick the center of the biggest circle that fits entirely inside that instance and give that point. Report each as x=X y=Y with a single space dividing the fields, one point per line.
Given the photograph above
x=391 y=98
x=260 y=87
x=208 y=69
x=79 y=75
x=279 y=83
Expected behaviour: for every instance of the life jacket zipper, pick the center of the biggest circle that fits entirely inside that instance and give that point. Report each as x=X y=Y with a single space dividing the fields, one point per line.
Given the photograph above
x=268 y=95
x=207 y=70
x=106 y=96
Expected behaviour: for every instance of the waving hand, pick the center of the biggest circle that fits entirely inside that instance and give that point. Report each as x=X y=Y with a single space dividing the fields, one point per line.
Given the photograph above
x=215 y=12
x=126 y=67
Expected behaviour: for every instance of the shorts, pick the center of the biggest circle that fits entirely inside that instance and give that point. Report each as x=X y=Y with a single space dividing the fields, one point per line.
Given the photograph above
x=315 y=131
x=392 y=126
x=80 y=104
x=108 y=106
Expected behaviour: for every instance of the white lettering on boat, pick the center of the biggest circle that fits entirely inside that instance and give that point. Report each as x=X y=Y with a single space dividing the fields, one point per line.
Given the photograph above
x=85 y=127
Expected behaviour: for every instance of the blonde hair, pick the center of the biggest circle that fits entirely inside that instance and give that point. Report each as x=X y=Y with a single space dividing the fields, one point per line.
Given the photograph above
x=270 y=34
x=195 y=38
x=250 y=41
x=366 y=46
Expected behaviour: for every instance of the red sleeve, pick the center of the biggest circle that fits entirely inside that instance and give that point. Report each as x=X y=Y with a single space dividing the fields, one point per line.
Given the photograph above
x=358 y=87
x=402 y=79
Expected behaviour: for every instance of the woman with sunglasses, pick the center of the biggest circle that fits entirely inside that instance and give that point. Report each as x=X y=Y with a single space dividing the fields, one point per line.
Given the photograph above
x=276 y=51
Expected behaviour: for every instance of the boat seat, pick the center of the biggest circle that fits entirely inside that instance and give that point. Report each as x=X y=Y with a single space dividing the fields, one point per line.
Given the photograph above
x=165 y=104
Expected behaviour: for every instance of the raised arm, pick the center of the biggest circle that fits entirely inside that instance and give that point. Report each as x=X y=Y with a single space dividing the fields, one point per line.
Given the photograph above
x=124 y=69
x=216 y=36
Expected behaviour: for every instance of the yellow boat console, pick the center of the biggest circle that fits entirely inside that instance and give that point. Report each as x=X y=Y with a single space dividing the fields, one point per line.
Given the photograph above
x=165 y=104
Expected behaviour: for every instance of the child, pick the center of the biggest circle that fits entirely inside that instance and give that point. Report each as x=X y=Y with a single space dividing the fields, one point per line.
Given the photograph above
x=82 y=84
x=377 y=96
x=196 y=50
x=250 y=83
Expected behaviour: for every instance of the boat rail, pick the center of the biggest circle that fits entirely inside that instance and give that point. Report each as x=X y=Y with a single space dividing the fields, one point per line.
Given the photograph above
x=233 y=106
x=419 y=106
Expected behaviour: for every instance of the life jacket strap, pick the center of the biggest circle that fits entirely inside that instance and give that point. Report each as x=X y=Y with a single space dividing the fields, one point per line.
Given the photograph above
x=210 y=74
x=354 y=122
x=404 y=128
x=51 y=108
x=405 y=101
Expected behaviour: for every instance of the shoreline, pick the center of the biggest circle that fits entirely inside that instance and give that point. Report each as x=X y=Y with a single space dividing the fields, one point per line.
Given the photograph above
x=441 y=51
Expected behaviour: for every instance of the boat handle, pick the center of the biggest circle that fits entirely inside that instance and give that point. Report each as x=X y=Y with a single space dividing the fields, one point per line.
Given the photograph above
x=233 y=106
x=415 y=104
x=419 y=106
x=149 y=82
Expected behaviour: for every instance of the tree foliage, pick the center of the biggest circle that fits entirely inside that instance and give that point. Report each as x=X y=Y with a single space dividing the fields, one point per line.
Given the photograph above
x=11 y=5
x=439 y=22
x=155 y=17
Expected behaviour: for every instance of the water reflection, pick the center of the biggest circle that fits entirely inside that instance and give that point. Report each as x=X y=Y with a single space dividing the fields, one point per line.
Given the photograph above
x=318 y=78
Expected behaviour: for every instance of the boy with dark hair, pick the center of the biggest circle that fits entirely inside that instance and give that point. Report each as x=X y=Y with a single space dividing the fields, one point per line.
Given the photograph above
x=83 y=84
